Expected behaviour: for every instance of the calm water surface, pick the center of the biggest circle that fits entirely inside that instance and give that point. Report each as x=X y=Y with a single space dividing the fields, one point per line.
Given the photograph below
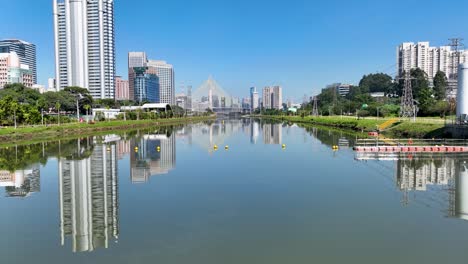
x=166 y=196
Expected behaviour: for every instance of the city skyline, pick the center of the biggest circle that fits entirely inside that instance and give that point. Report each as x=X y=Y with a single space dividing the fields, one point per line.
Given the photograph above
x=307 y=49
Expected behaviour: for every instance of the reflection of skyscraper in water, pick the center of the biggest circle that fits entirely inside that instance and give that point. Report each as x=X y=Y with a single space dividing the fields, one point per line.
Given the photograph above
x=272 y=134
x=185 y=134
x=89 y=199
x=21 y=183
x=254 y=131
x=418 y=174
x=148 y=161
x=123 y=148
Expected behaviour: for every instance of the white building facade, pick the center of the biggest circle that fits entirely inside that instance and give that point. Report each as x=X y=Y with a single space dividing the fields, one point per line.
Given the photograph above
x=429 y=59
x=165 y=73
x=85 y=46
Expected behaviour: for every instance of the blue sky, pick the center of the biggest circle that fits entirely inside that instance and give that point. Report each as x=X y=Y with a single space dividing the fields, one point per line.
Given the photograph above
x=301 y=45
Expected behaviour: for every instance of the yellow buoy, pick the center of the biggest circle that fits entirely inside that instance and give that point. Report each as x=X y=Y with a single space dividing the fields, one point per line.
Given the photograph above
x=215 y=147
x=226 y=147
x=158 y=149
x=136 y=149
x=284 y=146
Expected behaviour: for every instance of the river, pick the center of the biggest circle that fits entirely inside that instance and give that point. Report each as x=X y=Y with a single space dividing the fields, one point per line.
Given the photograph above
x=269 y=193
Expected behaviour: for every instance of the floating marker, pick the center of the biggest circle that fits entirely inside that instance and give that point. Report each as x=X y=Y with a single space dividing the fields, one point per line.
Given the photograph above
x=226 y=147
x=284 y=146
x=215 y=147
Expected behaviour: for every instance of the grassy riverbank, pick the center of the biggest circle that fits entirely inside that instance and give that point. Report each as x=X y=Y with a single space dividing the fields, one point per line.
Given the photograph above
x=422 y=128
x=10 y=135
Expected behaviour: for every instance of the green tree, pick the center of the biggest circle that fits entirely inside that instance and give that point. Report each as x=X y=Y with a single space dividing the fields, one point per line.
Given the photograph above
x=426 y=100
x=14 y=107
x=440 y=85
x=82 y=94
x=374 y=83
x=419 y=83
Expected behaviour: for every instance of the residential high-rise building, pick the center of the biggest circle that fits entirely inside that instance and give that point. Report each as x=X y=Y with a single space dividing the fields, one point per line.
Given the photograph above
x=25 y=51
x=165 y=73
x=12 y=71
x=429 y=59
x=253 y=98
x=122 y=89
x=85 y=46
x=273 y=97
x=146 y=85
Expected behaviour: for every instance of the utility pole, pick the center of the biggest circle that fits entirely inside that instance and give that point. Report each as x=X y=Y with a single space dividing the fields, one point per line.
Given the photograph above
x=408 y=108
x=315 y=111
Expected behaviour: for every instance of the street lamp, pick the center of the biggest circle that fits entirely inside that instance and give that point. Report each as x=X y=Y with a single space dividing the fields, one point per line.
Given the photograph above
x=78 y=98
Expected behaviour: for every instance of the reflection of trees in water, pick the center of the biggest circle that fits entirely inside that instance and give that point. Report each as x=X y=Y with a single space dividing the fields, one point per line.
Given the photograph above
x=23 y=156
x=329 y=137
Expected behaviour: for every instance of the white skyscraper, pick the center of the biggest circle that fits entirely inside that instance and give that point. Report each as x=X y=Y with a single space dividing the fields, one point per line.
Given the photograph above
x=165 y=72
x=85 y=45
x=253 y=99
